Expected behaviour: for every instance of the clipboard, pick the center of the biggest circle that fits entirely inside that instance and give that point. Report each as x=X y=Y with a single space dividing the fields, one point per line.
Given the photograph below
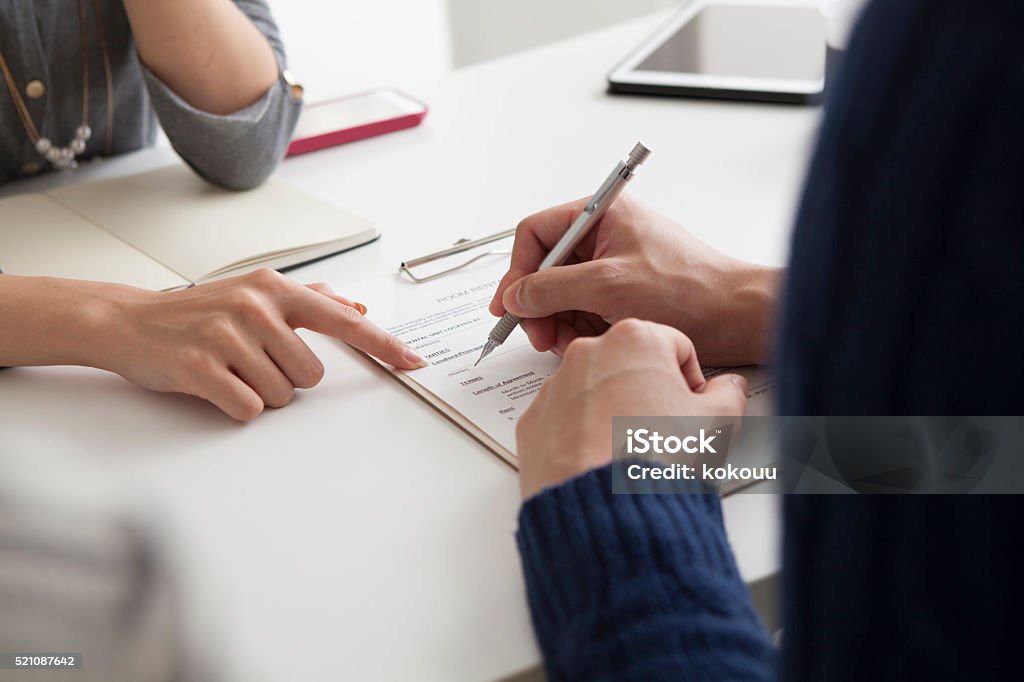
x=453 y=415
x=416 y=279
x=460 y=246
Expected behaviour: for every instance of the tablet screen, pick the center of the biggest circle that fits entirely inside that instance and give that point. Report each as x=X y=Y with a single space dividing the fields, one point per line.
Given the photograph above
x=745 y=41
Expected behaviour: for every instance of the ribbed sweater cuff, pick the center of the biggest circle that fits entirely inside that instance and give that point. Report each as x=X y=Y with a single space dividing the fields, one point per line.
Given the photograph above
x=610 y=577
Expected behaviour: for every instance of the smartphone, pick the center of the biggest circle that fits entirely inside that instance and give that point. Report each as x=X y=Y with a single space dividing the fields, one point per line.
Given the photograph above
x=354 y=117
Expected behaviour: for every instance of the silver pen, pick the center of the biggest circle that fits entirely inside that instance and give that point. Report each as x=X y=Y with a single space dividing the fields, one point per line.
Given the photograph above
x=598 y=204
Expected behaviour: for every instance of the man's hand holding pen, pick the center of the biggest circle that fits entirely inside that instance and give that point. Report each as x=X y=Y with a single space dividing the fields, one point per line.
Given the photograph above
x=637 y=263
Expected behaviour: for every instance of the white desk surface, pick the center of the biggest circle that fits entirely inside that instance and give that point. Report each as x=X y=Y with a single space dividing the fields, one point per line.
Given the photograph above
x=357 y=530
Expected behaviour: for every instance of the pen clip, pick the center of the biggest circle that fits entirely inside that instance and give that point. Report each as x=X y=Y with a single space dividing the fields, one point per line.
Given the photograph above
x=621 y=171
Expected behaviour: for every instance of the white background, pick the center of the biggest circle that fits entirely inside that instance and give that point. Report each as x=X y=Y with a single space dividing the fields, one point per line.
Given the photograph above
x=343 y=46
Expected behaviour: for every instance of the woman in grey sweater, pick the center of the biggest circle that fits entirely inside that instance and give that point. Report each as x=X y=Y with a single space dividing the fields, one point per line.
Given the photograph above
x=91 y=78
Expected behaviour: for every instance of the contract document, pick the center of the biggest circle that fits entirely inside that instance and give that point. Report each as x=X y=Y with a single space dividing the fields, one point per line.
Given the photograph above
x=446 y=321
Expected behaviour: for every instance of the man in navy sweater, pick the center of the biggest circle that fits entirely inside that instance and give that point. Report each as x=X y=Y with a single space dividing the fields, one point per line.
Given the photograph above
x=905 y=295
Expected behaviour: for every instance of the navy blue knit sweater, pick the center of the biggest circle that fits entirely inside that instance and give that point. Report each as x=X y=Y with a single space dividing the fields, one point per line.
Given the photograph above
x=905 y=296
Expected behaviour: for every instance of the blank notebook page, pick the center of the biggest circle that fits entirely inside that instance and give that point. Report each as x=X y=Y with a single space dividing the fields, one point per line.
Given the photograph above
x=196 y=229
x=40 y=237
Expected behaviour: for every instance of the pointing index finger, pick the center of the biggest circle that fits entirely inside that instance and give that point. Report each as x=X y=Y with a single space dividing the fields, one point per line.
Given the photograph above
x=314 y=311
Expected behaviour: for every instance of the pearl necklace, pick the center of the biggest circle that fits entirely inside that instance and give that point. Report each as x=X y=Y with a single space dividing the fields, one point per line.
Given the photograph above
x=64 y=157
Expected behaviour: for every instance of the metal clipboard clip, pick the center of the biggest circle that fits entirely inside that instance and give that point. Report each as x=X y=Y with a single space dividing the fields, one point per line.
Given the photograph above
x=460 y=246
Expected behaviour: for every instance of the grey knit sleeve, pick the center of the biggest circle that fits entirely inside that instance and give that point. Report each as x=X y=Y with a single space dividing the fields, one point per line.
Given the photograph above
x=240 y=150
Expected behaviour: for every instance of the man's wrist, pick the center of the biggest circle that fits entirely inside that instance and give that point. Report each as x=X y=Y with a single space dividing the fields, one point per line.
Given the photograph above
x=750 y=312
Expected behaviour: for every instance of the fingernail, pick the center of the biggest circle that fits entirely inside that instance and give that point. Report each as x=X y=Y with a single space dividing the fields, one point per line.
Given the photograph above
x=416 y=360
x=360 y=307
x=516 y=290
x=739 y=381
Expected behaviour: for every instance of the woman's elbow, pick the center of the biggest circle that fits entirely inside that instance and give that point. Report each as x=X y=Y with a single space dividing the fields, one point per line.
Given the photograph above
x=240 y=176
x=245 y=167
x=241 y=154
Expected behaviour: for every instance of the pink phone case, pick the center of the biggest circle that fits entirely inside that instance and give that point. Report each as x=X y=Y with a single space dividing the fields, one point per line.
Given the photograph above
x=345 y=135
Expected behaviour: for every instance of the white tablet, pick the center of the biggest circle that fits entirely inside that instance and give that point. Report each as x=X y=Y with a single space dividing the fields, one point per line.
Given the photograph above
x=733 y=49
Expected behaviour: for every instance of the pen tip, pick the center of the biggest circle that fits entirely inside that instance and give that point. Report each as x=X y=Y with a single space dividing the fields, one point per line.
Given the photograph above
x=488 y=347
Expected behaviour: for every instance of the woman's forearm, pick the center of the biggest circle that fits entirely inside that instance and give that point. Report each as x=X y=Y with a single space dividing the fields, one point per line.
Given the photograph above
x=207 y=51
x=49 y=321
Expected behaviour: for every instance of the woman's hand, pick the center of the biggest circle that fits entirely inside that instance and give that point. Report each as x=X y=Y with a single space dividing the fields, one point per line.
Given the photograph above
x=637 y=263
x=635 y=369
x=232 y=342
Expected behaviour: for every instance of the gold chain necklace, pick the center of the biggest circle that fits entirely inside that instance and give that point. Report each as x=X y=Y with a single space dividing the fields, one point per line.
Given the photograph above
x=64 y=157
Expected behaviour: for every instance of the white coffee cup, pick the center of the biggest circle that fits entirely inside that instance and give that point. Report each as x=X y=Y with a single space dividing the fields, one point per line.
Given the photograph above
x=840 y=18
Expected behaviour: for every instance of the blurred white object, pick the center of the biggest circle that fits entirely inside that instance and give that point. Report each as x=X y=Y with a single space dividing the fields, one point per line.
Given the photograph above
x=840 y=18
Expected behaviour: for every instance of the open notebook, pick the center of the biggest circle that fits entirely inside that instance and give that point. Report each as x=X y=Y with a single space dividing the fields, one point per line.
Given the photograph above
x=168 y=228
